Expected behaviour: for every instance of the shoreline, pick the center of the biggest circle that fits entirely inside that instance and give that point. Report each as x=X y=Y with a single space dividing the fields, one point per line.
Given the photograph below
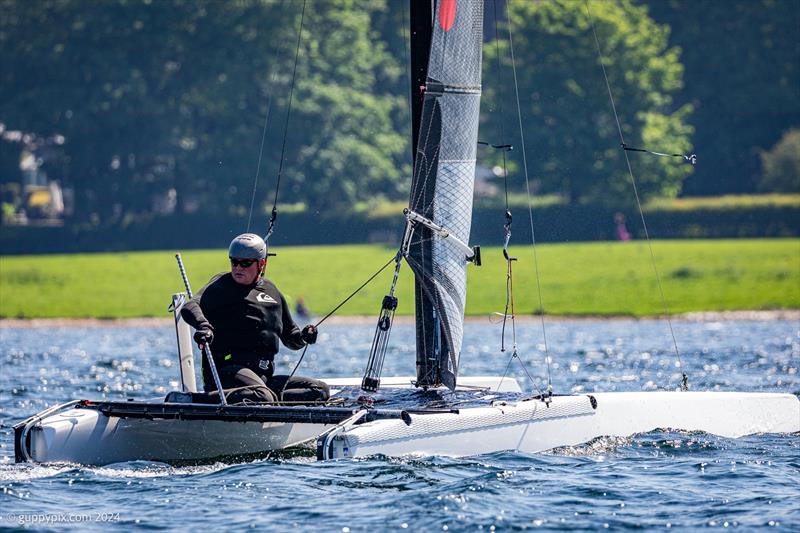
x=361 y=320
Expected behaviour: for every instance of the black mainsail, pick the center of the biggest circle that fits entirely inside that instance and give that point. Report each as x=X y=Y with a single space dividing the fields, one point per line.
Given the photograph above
x=445 y=144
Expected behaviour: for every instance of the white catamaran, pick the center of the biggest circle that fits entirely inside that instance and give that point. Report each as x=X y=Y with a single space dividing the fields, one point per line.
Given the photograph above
x=446 y=43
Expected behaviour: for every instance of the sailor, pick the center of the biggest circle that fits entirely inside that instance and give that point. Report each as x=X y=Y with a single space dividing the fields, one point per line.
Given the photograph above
x=244 y=318
x=301 y=309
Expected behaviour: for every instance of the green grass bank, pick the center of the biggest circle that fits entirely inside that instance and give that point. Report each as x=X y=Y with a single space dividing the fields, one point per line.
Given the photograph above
x=599 y=278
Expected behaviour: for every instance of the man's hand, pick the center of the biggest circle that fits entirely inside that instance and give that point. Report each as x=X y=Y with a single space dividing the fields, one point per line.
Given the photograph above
x=203 y=336
x=309 y=334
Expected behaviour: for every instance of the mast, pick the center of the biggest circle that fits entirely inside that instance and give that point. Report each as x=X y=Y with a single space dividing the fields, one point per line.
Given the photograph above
x=421 y=28
x=446 y=42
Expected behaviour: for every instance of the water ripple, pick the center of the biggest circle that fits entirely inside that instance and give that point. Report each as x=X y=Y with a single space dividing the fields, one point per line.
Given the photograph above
x=656 y=480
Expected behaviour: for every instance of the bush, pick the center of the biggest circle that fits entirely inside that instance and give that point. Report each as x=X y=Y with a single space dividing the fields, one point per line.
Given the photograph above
x=781 y=165
x=552 y=223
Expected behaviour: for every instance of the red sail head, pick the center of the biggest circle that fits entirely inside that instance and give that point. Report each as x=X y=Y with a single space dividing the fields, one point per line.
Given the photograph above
x=447 y=14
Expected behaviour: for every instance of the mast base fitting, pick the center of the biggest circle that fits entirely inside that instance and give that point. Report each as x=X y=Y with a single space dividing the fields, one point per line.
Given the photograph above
x=476 y=256
x=370 y=384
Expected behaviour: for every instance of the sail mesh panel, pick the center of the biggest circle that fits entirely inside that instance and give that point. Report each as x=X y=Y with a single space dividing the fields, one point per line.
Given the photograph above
x=442 y=190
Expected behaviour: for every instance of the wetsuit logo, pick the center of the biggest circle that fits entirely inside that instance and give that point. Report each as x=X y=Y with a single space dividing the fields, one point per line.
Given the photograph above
x=265 y=298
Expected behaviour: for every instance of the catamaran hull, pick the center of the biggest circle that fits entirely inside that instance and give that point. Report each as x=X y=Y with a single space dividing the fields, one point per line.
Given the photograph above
x=532 y=426
x=90 y=437
x=104 y=432
x=108 y=432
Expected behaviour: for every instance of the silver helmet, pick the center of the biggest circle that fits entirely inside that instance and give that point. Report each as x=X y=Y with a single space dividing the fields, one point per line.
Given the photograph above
x=248 y=246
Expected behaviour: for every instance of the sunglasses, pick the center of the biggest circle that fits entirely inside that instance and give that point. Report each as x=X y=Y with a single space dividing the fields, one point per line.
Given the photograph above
x=244 y=263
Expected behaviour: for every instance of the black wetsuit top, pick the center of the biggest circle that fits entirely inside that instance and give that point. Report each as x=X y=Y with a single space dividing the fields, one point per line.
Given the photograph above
x=249 y=323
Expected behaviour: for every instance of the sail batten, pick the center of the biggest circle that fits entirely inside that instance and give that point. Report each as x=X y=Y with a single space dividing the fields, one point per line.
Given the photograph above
x=442 y=186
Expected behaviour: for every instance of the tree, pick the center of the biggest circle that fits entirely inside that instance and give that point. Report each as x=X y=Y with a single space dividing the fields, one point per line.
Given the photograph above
x=571 y=135
x=344 y=138
x=10 y=153
x=126 y=83
x=154 y=97
x=781 y=165
x=742 y=79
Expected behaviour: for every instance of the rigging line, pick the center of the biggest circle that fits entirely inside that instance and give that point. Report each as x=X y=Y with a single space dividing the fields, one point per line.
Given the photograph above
x=258 y=166
x=505 y=373
x=510 y=285
x=691 y=158
x=274 y=214
x=263 y=136
x=419 y=158
x=507 y=226
x=430 y=167
x=375 y=275
x=332 y=401
x=509 y=302
x=420 y=164
x=280 y=396
x=530 y=208
x=546 y=397
x=500 y=103
x=422 y=241
x=515 y=355
x=665 y=306
x=424 y=168
x=407 y=63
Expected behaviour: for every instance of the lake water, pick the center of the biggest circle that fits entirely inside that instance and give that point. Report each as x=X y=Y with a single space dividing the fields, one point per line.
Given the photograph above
x=655 y=480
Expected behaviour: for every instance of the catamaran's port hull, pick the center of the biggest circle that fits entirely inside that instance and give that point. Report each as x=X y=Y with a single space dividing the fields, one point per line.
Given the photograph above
x=88 y=436
x=104 y=432
x=532 y=426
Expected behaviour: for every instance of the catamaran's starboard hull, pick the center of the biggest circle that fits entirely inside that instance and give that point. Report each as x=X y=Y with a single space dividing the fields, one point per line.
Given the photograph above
x=532 y=426
x=89 y=437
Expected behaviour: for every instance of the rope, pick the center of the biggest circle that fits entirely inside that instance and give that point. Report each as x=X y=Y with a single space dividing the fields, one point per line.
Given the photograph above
x=263 y=136
x=331 y=401
x=280 y=396
x=407 y=63
x=260 y=154
x=392 y=260
x=684 y=378
x=505 y=373
x=274 y=214
x=545 y=397
x=500 y=105
x=509 y=218
x=691 y=158
x=509 y=301
x=530 y=208
x=302 y=355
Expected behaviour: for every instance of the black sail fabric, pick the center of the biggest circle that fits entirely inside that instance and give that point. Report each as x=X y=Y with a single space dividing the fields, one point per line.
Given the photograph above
x=443 y=184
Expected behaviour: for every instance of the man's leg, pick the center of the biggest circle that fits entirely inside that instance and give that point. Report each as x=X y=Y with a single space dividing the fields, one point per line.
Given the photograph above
x=240 y=384
x=299 y=389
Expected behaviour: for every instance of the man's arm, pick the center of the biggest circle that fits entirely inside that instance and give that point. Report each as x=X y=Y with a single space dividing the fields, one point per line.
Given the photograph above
x=192 y=313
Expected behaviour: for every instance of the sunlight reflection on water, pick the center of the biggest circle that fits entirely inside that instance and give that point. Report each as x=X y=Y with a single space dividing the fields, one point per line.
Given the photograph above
x=653 y=480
